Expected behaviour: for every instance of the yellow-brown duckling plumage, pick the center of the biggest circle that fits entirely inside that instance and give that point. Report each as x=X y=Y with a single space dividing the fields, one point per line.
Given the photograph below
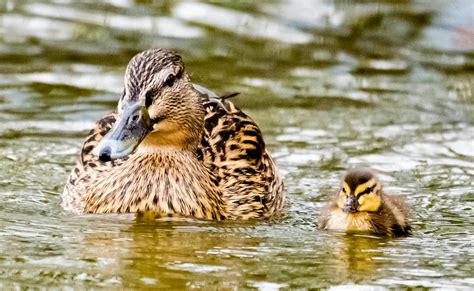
x=174 y=150
x=361 y=205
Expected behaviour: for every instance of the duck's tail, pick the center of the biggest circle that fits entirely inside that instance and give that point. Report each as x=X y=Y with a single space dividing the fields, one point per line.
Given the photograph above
x=228 y=96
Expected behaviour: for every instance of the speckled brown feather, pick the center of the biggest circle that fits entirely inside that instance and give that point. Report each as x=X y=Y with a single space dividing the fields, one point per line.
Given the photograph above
x=71 y=198
x=234 y=151
x=237 y=178
x=156 y=187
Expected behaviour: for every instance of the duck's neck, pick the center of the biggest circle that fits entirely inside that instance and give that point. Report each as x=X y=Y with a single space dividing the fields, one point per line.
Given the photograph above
x=172 y=142
x=165 y=182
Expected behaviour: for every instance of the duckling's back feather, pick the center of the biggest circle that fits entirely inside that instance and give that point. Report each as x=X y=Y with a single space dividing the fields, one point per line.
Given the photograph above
x=399 y=214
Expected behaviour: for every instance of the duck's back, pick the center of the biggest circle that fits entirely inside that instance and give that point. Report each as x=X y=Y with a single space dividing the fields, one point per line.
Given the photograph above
x=233 y=149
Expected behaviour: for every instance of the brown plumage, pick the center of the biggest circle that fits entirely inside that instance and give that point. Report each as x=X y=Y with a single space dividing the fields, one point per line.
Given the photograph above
x=172 y=150
x=361 y=205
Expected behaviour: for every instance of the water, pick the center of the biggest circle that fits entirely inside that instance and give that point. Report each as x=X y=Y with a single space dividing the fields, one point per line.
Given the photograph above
x=333 y=85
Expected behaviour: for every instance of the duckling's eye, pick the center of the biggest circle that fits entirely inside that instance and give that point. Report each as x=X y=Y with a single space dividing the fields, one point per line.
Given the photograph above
x=367 y=190
x=170 y=80
x=344 y=190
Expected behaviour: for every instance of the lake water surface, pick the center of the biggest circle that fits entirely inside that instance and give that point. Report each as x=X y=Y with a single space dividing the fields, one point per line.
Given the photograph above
x=333 y=85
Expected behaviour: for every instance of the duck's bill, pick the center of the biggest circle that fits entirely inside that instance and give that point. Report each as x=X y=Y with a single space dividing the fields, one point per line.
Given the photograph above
x=351 y=204
x=130 y=128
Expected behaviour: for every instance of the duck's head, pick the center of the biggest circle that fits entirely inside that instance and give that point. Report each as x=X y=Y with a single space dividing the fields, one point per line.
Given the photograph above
x=361 y=191
x=159 y=108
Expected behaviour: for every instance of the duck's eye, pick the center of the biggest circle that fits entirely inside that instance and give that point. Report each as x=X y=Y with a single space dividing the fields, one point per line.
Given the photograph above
x=343 y=190
x=135 y=117
x=149 y=98
x=170 y=80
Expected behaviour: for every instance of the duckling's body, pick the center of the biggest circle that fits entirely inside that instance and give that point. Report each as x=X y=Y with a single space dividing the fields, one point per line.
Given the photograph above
x=200 y=156
x=362 y=206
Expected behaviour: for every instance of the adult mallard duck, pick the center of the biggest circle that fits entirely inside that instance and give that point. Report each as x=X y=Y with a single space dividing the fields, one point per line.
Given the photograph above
x=173 y=149
x=362 y=206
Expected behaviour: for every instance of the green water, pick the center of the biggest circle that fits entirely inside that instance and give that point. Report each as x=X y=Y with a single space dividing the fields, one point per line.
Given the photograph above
x=333 y=85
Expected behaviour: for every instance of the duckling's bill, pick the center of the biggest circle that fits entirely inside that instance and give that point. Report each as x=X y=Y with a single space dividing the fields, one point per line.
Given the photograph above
x=351 y=204
x=131 y=127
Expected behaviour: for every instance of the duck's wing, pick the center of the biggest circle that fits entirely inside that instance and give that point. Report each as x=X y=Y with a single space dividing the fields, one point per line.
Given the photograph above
x=87 y=165
x=233 y=149
x=95 y=136
x=87 y=160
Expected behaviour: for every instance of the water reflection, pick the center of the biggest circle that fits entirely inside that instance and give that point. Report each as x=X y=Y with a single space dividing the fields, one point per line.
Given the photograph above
x=357 y=257
x=169 y=254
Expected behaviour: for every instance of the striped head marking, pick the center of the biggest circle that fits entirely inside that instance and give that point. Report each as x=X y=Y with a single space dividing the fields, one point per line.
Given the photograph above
x=149 y=72
x=361 y=191
x=159 y=108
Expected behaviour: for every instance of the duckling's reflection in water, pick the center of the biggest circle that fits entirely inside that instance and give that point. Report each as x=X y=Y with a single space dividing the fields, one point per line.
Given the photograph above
x=355 y=256
x=171 y=252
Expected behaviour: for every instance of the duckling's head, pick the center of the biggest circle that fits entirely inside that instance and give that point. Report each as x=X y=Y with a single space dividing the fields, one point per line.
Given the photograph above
x=361 y=191
x=159 y=108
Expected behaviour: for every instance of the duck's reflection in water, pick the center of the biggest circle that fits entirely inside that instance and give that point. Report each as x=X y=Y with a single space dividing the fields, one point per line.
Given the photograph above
x=172 y=252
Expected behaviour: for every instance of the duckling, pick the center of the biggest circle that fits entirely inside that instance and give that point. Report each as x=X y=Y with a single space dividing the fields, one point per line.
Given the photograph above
x=174 y=149
x=362 y=206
